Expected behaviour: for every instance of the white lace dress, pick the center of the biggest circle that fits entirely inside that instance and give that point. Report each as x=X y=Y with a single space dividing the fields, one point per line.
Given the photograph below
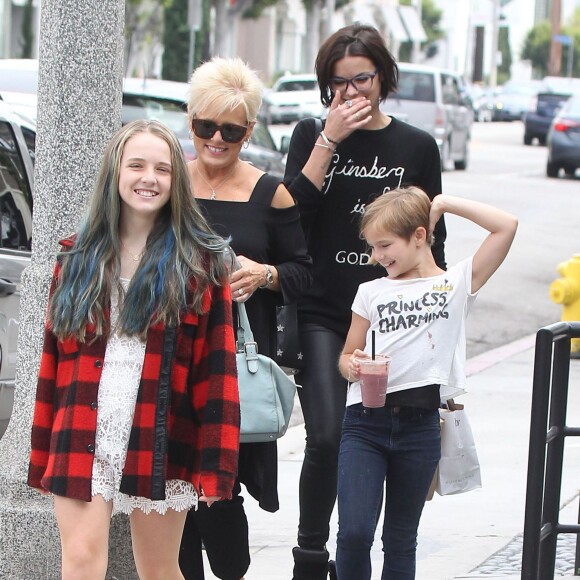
x=116 y=405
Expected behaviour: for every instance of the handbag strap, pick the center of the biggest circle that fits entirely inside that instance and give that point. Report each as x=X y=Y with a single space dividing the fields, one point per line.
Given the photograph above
x=245 y=339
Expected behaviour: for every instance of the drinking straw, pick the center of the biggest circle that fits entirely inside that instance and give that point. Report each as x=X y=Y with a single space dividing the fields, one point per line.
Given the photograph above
x=373 y=344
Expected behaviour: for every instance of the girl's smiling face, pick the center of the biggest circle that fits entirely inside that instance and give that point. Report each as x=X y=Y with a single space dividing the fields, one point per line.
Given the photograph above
x=399 y=256
x=145 y=174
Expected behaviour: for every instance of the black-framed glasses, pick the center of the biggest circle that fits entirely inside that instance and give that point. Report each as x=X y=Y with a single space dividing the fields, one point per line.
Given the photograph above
x=206 y=129
x=361 y=82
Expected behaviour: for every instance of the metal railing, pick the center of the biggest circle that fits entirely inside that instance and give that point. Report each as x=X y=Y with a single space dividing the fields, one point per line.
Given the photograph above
x=546 y=452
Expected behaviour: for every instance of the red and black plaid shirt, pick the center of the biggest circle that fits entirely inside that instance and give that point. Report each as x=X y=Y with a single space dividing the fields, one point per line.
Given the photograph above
x=188 y=430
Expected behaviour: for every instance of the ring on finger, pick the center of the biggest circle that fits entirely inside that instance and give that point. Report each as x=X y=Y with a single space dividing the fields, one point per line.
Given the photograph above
x=241 y=291
x=348 y=104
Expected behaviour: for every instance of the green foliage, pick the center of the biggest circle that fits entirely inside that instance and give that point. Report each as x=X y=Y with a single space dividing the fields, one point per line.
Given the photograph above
x=258 y=6
x=537 y=46
x=504 y=69
x=431 y=20
x=176 y=42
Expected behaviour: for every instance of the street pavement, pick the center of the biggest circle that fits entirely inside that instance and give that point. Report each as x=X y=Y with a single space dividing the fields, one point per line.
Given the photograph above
x=472 y=535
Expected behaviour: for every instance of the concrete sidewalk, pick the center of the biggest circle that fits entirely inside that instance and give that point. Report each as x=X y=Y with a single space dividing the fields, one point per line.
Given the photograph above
x=473 y=535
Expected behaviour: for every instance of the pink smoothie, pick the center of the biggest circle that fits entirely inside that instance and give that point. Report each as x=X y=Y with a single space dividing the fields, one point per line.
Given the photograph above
x=373 y=380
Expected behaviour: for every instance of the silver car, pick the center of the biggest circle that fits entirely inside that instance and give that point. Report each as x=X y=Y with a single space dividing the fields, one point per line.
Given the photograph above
x=16 y=179
x=434 y=100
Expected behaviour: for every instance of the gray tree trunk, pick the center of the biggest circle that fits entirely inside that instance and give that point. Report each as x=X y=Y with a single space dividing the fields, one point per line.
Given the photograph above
x=312 y=40
x=79 y=107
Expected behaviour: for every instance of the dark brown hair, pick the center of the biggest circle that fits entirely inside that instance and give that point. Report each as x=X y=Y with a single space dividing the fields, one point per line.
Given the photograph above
x=355 y=40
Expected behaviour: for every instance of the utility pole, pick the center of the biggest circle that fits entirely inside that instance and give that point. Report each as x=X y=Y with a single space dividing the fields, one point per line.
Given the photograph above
x=494 y=43
x=330 y=8
x=555 y=62
x=416 y=43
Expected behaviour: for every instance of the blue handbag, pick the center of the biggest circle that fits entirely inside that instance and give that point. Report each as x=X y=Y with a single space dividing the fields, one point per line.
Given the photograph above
x=266 y=391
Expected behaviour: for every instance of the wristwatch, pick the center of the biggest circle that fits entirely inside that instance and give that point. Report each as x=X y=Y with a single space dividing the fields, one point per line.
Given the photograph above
x=269 y=277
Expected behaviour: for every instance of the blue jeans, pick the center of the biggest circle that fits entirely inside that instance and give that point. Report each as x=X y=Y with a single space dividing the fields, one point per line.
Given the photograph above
x=400 y=444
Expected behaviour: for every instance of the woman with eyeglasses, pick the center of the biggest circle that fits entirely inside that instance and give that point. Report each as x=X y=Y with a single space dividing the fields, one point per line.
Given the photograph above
x=256 y=211
x=333 y=173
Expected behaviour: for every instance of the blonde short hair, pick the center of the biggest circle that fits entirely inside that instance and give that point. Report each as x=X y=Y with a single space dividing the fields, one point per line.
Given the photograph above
x=223 y=84
x=399 y=211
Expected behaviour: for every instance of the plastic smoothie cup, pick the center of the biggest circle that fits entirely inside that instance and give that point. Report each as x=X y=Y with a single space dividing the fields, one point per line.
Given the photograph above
x=374 y=374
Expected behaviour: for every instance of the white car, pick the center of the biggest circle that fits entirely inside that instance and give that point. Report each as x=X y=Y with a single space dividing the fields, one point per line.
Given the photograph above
x=293 y=97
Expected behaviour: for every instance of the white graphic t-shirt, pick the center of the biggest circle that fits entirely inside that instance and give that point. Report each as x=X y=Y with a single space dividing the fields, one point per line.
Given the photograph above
x=420 y=323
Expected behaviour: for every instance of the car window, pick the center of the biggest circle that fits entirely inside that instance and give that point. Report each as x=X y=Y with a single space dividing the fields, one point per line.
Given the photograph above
x=261 y=137
x=169 y=112
x=573 y=107
x=450 y=90
x=416 y=86
x=30 y=138
x=15 y=194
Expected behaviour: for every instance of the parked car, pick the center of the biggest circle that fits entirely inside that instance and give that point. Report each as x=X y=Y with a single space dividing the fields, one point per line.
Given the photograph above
x=292 y=97
x=538 y=118
x=513 y=99
x=564 y=140
x=142 y=99
x=483 y=105
x=435 y=100
x=16 y=181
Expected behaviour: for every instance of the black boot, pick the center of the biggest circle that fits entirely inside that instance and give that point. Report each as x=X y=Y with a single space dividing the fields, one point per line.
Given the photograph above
x=310 y=564
x=332 y=570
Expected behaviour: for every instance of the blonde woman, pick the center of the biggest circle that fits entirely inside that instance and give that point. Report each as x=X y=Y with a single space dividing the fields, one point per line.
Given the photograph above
x=256 y=211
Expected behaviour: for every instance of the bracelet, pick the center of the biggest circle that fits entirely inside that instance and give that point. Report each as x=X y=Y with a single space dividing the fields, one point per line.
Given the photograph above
x=326 y=141
x=326 y=138
x=325 y=146
x=269 y=277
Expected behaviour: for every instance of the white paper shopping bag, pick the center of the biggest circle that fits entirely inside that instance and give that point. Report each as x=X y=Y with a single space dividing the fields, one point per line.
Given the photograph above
x=458 y=469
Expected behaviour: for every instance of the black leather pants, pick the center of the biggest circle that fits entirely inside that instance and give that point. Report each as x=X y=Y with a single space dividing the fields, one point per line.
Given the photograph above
x=323 y=398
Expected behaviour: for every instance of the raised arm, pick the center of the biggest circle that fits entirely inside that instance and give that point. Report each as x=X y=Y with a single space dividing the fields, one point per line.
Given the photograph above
x=501 y=226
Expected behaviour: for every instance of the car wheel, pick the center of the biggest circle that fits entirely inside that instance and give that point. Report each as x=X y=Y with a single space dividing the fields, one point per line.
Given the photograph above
x=461 y=164
x=528 y=139
x=552 y=170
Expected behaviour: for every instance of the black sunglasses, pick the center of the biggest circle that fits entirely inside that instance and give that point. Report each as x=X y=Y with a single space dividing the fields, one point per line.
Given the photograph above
x=206 y=129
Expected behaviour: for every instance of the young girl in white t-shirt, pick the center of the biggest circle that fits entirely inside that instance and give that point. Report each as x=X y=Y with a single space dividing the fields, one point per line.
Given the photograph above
x=416 y=315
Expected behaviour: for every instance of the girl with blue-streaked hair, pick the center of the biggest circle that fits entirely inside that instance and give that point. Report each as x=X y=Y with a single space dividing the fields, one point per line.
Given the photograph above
x=137 y=407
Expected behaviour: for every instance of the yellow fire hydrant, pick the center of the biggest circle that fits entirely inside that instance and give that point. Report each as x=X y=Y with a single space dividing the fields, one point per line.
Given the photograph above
x=566 y=291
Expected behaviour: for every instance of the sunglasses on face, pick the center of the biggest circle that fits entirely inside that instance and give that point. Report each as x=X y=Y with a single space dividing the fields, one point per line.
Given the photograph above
x=361 y=82
x=206 y=129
